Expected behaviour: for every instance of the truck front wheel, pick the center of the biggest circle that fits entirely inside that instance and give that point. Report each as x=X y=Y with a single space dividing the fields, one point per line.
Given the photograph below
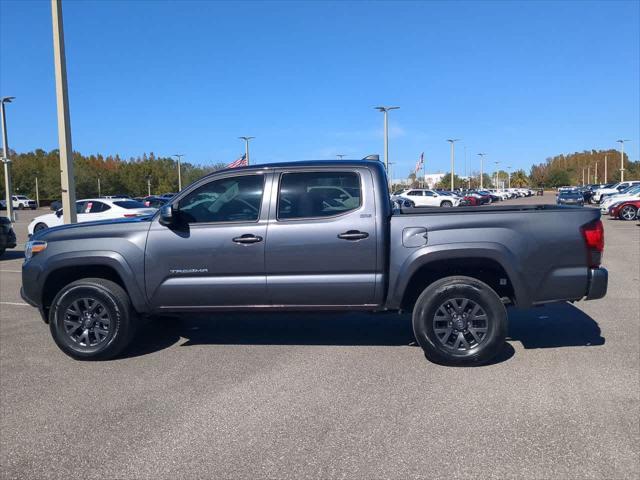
x=92 y=319
x=460 y=321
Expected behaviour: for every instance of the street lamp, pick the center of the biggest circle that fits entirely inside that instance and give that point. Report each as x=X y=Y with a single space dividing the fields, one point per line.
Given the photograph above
x=5 y=159
x=340 y=156
x=386 y=110
x=621 y=142
x=481 y=155
x=148 y=177
x=99 y=192
x=497 y=173
x=37 y=192
x=452 y=141
x=246 y=147
x=509 y=170
x=179 y=156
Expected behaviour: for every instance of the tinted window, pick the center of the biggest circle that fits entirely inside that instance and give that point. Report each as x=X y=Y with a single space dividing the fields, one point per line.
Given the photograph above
x=415 y=193
x=129 y=204
x=235 y=199
x=318 y=194
x=96 y=207
x=429 y=193
x=80 y=207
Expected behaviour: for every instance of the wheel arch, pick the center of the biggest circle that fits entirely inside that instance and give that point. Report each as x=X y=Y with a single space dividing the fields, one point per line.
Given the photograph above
x=489 y=264
x=66 y=268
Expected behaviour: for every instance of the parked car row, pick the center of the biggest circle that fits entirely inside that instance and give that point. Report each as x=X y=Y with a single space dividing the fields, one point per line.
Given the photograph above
x=19 y=202
x=424 y=197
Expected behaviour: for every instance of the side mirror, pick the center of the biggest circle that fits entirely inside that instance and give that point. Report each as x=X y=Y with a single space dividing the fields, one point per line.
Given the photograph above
x=59 y=213
x=166 y=215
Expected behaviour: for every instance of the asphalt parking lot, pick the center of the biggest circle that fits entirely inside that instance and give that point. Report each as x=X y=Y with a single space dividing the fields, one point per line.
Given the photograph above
x=329 y=396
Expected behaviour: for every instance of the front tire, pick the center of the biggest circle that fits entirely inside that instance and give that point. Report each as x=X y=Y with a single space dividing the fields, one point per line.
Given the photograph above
x=628 y=212
x=39 y=227
x=92 y=319
x=446 y=203
x=460 y=321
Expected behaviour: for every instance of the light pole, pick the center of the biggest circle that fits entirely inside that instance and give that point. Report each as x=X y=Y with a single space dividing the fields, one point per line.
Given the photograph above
x=67 y=179
x=605 y=169
x=179 y=156
x=37 y=192
x=452 y=141
x=595 y=179
x=481 y=155
x=5 y=159
x=497 y=173
x=246 y=147
x=148 y=185
x=390 y=175
x=99 y=193
x=509 y=170
x=340 y=156
x=621 y=142
x=386 y=110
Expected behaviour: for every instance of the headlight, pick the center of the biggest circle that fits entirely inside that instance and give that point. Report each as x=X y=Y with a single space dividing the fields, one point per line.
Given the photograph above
x=34 y=247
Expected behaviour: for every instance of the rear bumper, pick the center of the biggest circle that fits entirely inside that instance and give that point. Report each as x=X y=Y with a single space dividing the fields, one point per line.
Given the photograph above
x=598 y=281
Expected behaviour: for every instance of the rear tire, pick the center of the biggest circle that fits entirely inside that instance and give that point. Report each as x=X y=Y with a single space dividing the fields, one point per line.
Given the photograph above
x=460 y=321
x=92 y=319
x=628 y=212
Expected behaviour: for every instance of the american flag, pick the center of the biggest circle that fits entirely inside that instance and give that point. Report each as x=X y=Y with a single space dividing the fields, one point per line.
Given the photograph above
x=241 y=162
x=419 y=163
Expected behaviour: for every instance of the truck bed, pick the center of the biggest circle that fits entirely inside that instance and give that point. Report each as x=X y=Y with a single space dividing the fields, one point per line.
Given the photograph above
x=540 y=248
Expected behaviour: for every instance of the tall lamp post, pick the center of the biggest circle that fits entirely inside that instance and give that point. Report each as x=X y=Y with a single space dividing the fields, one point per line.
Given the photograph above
x=37 y=192
x=386 y=111
x=99 y=192
x=67 y=179
x=481 y=155
x=148 y=177
x=509 y=170
x=497 y=173
x=605 y=169
x=621 y=142
x=179 y=157
x=246 y=147
x=452 y=141
x=8 y=187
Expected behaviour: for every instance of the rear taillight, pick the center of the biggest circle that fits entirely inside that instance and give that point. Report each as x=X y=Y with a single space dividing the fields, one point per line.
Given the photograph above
x=593 y=234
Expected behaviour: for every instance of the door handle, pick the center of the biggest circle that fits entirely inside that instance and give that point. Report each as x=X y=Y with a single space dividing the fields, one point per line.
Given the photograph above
x=247 y=239
x=353 y=235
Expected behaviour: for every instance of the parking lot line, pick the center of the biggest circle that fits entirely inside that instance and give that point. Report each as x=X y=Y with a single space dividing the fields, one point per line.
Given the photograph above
x=15 y=303
x=10 y=271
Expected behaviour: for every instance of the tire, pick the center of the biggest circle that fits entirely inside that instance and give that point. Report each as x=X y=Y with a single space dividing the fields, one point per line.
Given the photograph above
x=102 y=339
x=20 y=207
x=439 y=333
x=628 y=212
x=39 y=227
x=446 y=203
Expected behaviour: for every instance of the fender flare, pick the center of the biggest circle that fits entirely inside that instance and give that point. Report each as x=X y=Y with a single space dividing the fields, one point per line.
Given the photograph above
x=459 y=251
x=105 y=258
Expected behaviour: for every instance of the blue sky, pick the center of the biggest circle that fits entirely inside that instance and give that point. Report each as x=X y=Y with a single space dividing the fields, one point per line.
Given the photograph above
x=520 y=81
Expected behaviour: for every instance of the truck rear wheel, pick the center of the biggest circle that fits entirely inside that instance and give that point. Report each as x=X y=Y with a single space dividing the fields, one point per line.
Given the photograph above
x=92 y=319
x=460 y=321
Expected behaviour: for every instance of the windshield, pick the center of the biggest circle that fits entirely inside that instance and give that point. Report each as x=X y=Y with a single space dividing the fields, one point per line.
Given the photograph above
x=128 y=204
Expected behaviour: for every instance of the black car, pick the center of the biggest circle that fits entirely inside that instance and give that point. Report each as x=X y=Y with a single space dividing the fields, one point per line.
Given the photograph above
x=7 y=235
x=570 y=197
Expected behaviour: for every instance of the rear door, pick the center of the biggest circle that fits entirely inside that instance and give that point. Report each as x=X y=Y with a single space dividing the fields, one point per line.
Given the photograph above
x=321 y=238
x=214 y=256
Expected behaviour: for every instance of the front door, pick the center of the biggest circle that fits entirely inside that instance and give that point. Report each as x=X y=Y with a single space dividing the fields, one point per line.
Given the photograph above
x=214 y=254
x=321 y=239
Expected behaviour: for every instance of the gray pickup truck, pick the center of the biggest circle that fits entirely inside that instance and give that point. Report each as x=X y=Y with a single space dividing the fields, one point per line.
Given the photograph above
x=313 y=236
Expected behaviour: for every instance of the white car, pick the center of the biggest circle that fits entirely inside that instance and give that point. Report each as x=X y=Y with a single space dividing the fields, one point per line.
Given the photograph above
x=597 y=196
x=632 y=194
x=22 y=201
x=422 y=197
x=93 y=209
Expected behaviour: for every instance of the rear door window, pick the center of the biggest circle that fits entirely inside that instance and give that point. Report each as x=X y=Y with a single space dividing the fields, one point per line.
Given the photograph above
x=318 y=194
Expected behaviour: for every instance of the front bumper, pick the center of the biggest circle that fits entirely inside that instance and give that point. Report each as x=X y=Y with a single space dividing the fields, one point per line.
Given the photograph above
x=598 y=281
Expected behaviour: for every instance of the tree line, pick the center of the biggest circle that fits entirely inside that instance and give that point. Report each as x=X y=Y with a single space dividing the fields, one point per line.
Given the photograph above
x=115 y=175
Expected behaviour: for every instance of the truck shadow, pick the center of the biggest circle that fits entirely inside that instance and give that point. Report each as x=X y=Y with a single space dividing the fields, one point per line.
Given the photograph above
x=552 y=326
x=12 y=255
